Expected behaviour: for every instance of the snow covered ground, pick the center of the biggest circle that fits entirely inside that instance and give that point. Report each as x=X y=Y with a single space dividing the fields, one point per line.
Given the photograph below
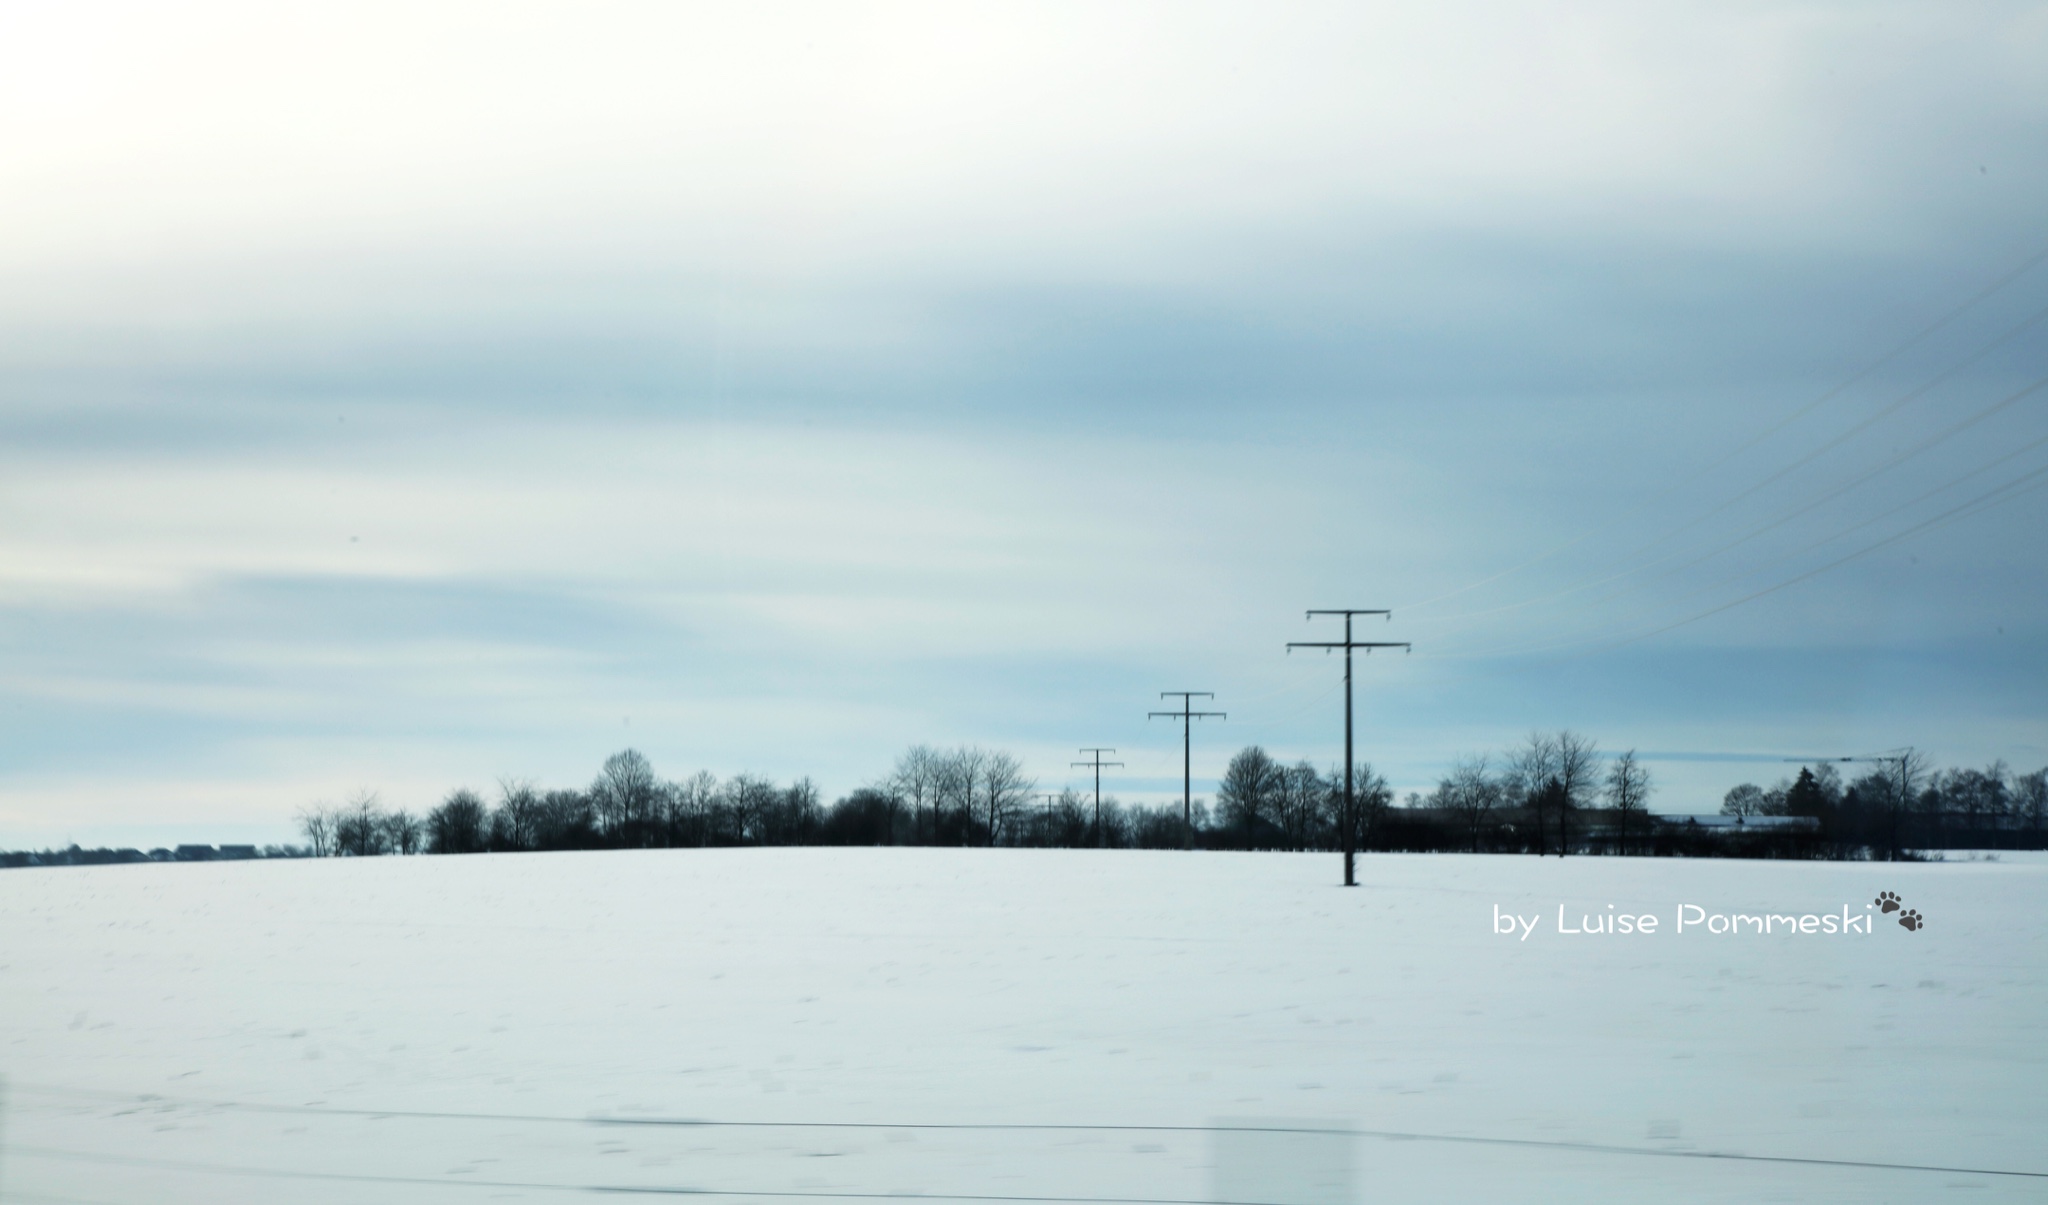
x=457 y=1029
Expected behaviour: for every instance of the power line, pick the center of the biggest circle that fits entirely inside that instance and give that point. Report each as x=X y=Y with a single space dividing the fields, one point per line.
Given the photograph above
x=1601 y=577
x=2011 y=490
x=1097 y=762
x=1276 y=722
x=1187 y=717
x=1773 y=524
x=1988 y=500
x=1349 y=823
x=1911 y=395
x=2025 y=266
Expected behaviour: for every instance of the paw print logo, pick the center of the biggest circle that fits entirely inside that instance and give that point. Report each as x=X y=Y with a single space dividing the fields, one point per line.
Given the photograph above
x=1888 y=900
x=1911 y=921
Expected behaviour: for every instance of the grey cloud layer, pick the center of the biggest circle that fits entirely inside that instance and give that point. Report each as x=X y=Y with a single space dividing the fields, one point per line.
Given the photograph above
x=402 y=396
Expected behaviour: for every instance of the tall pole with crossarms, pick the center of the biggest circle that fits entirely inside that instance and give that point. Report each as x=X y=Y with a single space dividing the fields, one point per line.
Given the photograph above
x=1187 y=717
x=1349 y=822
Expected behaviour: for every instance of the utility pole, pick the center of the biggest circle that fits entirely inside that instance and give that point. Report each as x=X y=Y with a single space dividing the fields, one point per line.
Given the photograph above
x=1349 y=822
x=1187 y=717
x=1098 y=763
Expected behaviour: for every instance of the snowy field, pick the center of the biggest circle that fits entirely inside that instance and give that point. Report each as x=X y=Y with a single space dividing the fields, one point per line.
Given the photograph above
x=472 y=1029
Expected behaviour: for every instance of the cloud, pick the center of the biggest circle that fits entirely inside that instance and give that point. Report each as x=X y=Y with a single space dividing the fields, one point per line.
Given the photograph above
x=403 y=395
x=401 y=199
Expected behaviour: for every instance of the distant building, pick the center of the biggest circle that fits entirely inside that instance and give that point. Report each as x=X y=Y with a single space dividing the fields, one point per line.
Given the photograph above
x=233 y=853
x=194 y=853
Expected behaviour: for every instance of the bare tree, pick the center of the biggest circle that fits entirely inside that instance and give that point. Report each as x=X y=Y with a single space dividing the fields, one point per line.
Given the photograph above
x=317 y=824
x=458 y=825
x=1372 y=794
x=890 y=801
x=1628 y=791
x=953 y=788
x=1472 y=793
x=1533 y=768
x=566 y=821
x=1827 y=781
x=692 y=808
x=794 y=816
x=1745 y=799
x=1998 y=782
x=627 y=798
x=1004 y=787
x=1578 y=774
x=359 y=826
x=403 y=832
x=2030 y=801
x=1303 y=804
x=1249 y=793
x=1903 y=775
x=1556 y=773
x=749 y=801
x=1976 y=797
x=519 y=819
x=1069 y=824
x=915 y=780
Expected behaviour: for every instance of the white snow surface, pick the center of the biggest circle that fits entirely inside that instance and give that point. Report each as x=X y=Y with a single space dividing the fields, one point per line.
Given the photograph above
x=488 y=1020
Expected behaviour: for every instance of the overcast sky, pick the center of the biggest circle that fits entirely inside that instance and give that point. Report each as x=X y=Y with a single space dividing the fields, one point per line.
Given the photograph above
x=404 y=396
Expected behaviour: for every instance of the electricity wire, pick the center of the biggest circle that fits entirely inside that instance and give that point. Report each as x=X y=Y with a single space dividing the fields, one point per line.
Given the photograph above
x=1771 y=525
x=1925 y=332
x=1614 y=572
x=2010 y=491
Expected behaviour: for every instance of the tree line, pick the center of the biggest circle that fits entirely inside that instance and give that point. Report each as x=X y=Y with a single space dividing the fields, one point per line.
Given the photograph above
x=1551 y=795
x=964 y=796
x=1555 y=793
x=1903 y=803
